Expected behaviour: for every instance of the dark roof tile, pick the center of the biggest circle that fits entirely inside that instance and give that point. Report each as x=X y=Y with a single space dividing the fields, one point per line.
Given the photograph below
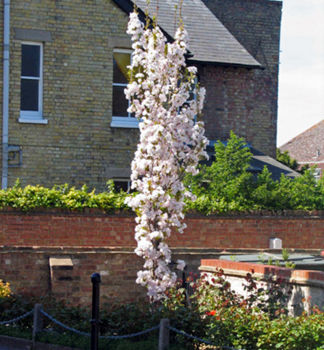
x=210 y=41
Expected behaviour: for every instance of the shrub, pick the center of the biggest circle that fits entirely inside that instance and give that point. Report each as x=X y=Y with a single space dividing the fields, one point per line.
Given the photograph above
x=63 y=197
x=5 y=290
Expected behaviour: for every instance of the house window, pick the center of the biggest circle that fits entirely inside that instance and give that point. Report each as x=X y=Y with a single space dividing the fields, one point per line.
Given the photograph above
x=317 y=174
x=31 y=84
x=123 y=184
x=121 y=118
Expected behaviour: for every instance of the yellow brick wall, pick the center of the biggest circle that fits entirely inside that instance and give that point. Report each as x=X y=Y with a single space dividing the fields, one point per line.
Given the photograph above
x=77 y=144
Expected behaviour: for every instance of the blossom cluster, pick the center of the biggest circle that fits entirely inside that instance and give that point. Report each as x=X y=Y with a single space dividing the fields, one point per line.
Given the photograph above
x=171 y=144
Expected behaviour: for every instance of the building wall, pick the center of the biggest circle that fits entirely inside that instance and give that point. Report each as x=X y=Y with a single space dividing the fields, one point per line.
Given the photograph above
x=77 y=144
x=227 y=107
x=256 y=25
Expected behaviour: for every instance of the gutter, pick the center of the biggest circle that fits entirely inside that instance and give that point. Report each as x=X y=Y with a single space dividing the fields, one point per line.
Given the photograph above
x=227 y=64
x=5 y=93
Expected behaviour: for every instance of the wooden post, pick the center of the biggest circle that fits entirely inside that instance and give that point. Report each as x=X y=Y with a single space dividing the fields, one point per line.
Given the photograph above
x=38 y=322
x=164 y=334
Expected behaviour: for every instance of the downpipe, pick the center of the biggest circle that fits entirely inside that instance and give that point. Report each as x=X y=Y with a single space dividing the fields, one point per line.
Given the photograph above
x=5 y=93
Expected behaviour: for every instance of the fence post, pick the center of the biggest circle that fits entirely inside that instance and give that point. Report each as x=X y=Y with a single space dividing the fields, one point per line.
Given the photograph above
x=164 y=334
x=38 y=322
x=95 y=279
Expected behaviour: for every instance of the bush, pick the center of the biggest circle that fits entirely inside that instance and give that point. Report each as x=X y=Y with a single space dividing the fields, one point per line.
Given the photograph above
x=5 y=290
x=63 y=197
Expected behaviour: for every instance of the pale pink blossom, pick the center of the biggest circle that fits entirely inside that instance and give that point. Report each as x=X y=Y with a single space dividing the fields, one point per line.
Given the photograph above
x=171 y=144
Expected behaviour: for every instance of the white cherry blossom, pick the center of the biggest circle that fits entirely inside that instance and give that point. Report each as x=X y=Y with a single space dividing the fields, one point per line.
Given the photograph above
x=171 y=144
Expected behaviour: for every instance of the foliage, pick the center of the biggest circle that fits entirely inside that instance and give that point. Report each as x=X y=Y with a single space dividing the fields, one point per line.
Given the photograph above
x=286 y=333
x=171 y=144
x=227 y=185
x=63 y=197
x=285 y=158
x=285 y=256
x=5 y=290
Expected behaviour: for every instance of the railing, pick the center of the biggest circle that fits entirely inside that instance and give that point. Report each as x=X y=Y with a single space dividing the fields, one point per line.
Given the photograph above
x=164 y=326
x=17 y=318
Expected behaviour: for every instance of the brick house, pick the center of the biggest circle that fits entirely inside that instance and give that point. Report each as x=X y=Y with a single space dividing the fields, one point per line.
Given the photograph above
x=308 y=148
x=64 y=114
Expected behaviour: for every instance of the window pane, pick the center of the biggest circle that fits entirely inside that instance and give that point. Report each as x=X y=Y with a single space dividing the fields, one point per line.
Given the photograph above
x=121 y=185
x=30 y=60
x=121 y=61
x=120 y=103
x=29 y=95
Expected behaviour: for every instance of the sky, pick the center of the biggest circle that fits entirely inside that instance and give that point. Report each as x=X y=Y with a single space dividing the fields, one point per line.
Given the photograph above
x=301 y=70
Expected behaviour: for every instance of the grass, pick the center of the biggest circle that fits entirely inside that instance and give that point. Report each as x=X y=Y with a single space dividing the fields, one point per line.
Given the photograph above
x=17 y=332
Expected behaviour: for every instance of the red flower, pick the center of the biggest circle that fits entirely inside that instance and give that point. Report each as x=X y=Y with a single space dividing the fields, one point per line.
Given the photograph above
x=211 y=313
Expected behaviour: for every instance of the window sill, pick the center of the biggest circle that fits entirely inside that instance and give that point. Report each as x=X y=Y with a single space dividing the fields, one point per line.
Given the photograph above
x=124 y=122
x=32 y=121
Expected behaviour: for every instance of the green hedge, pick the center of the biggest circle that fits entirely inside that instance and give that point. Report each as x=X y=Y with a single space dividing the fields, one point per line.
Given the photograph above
x=62 y=197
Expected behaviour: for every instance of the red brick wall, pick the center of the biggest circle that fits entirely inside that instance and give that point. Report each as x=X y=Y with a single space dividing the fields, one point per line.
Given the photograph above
x=27 y=270
x=256 y=25
x=96 y=242
x=97 y=230
x=227 y=108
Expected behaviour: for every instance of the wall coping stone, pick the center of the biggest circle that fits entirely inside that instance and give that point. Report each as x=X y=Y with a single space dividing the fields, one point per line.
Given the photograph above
x=285 y=214
x=182 y=250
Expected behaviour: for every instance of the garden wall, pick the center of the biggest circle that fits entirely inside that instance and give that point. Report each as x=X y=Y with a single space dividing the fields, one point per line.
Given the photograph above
x=58 y=251
x=95 y=229
x=306 y=287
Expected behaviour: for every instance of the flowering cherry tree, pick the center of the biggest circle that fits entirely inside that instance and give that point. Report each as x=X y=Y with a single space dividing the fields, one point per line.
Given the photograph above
x=171 y=144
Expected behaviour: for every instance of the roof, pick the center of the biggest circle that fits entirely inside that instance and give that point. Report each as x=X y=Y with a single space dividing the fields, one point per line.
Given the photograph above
x=276 y=168
x=258 y=162
x=307 y=147
x=210 y=42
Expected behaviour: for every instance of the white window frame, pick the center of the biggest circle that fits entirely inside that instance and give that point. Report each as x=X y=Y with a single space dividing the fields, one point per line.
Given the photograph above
x=35 y=117
x=317 y=174
x=123 y=122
